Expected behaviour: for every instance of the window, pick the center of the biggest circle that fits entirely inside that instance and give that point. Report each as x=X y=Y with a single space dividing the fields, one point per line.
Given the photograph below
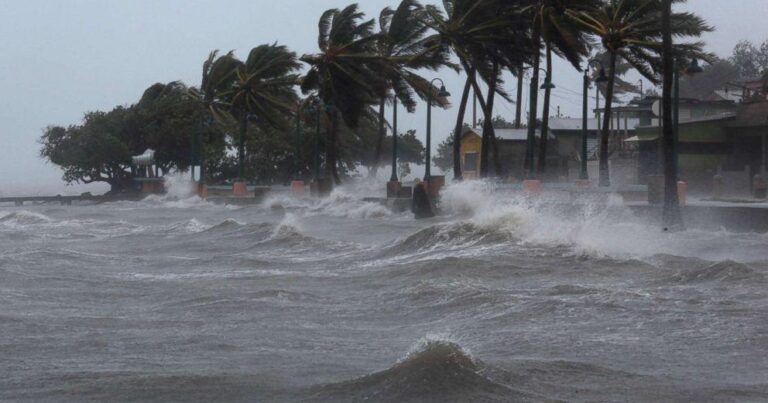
x=470 y=161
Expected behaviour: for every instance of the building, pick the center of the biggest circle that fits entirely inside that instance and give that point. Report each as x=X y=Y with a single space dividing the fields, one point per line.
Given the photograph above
x=512 y=145
x=730 y=144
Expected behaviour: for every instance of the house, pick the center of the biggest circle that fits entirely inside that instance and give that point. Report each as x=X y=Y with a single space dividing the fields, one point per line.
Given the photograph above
x=512 y=145
x=730 y=144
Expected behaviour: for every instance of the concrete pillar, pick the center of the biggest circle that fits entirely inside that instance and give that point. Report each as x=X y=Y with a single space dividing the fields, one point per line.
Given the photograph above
x=240 y=189
x=393 y=189
x=297 y=188
x=682 y=192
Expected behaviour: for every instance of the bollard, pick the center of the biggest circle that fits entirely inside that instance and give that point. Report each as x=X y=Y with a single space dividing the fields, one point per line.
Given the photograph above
x=240 y=189
x=532 y=186
x=421 y=205
x=204 y=191
x=682 y=192
x=297 y=188
x=393 y=189
x=435 y=185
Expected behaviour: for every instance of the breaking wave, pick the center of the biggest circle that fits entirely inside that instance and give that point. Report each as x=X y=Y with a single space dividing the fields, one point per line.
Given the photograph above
x=435 y=371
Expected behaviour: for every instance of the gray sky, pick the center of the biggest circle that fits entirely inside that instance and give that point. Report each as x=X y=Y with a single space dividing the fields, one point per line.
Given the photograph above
x=61 y=58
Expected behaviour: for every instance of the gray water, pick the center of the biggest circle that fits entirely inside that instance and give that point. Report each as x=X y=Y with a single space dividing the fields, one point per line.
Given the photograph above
x=341 y=300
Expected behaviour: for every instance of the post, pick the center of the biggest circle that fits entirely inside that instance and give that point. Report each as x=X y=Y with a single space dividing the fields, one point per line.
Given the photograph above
x=474 y=109
x=584 y=130
x=298 y=145
x=393 y=178
x=427 y=170
x=676 y=117
x=317 y=144
x=241 y=147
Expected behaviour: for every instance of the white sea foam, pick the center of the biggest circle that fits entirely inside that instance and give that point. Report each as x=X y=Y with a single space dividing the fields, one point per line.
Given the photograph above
x=590 y=228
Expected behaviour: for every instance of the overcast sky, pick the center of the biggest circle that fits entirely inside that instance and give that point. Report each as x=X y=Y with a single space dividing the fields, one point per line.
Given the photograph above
x=61 y=58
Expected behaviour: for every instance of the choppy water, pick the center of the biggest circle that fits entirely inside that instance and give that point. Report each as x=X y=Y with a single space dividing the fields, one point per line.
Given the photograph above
x=340 y=300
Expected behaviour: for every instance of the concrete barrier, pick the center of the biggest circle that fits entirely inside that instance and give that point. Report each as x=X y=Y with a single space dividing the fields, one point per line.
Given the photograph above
x=297 y=188
x=239 y=189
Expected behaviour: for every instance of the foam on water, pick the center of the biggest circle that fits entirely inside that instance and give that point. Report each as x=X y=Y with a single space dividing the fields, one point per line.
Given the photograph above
x=595 y=230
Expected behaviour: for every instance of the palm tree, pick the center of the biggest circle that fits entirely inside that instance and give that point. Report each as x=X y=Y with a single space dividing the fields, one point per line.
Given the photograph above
x=345 y=73
x=262 y=90
x=485 y=36
x=401 y=45
x=631 y=29
x=218 y=75
x=672 y=218
x=559 y=34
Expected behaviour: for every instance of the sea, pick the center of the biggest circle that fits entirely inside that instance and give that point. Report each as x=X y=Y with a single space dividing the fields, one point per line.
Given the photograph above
x=501 y=298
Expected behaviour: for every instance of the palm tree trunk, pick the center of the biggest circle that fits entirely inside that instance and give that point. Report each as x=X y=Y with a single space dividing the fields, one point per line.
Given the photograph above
x=671 y=216
x=241 y=147
x=542 y=167
x=534 y=100
x=460 y=127
x=519 y=106
x=331 y=156
x=605 y=175
x=380 y=140
x=489 y=135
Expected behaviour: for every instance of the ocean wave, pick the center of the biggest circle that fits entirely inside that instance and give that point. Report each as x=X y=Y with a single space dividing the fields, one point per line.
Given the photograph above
x=436 y=371
x=23 y=218
x=726 y=271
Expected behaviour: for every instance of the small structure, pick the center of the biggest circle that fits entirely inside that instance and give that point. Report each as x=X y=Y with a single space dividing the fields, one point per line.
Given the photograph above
x=512 y=144
x=146 y=176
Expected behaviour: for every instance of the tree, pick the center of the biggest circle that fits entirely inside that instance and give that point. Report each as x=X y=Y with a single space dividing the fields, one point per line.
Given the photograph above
x=561 y=35
x=262 y=91
x=217 y=77
x=631 y=29
x=672 y=217
x=485 y=36
x=345 y=74
x=98 y=150
x=752 y=61
x=400 y=44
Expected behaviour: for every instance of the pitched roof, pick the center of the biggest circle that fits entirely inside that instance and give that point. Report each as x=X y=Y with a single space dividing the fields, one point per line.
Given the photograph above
x=509 y=134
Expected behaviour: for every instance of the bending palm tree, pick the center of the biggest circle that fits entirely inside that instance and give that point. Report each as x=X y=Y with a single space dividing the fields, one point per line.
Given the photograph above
x=486 y=36
x=345 y=73
x=631 y=29
x=218 y=76
x=263 y=89
x=401 y=45
x=566 y=39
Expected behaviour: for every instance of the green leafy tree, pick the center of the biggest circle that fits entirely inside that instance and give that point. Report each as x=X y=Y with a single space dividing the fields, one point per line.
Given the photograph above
x=262 y=91
x=400 y=43
x=485 y=36
x=631 y=29
x=98 y=150
x=345 y=74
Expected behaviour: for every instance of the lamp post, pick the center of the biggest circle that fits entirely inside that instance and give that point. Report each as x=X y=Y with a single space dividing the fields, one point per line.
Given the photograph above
x=584 y=175
x=393 y=178
x=315 y=108
x=298 y=143
x=692 y=69
x=442 y=93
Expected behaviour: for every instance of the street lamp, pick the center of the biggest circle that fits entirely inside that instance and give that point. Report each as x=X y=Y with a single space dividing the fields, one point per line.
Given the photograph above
x=442 y=93
x=601 y=78
x=393 y=178
x=692 y=69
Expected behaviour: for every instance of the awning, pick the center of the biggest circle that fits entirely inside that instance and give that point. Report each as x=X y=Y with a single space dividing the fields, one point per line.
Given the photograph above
x=637 y=139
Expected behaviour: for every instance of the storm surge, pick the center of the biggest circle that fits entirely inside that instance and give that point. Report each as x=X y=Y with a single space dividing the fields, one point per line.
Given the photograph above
x=499 y=298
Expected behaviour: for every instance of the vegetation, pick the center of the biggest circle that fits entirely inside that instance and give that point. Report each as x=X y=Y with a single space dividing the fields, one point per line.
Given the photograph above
x=246 y=120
